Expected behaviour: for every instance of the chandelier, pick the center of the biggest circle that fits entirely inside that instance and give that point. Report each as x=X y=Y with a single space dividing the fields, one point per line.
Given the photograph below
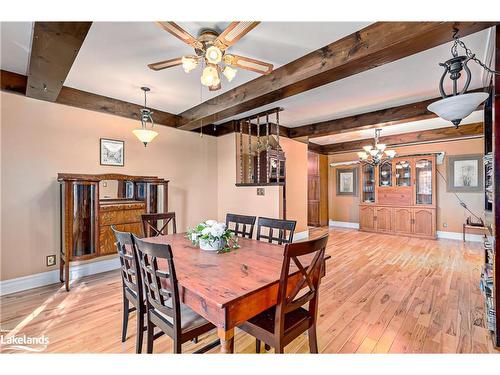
x=459 y=104
x=144 y=134
x=374 y=155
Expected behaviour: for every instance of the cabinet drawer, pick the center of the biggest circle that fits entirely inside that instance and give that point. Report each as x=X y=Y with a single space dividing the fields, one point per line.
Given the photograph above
x=395 y=197
x=120 y=216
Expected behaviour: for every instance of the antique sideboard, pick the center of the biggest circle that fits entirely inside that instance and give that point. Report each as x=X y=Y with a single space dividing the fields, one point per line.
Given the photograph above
x=91 y=203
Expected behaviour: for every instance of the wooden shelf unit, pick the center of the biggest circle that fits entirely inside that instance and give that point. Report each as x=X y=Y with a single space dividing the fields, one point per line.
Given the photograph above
x=86 y=218
x=399 y=197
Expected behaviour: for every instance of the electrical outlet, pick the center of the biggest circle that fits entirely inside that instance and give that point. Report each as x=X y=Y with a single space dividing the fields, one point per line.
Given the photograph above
x=445 y=225
x=260 y=191
x=51 y=260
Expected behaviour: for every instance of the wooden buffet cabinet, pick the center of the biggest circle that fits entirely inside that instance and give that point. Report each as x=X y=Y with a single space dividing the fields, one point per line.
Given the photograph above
x=399 y=197
x=91 y=204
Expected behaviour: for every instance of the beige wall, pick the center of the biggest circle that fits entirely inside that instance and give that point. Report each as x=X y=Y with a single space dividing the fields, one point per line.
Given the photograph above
x=240 y=200
x=245 y=200
x=40 y=139
x=344 y=208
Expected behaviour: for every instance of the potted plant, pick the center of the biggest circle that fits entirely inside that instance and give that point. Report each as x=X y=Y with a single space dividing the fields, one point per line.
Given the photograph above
x=213 y=236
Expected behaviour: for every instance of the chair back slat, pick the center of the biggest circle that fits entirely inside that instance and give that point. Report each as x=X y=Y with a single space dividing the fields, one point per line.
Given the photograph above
x=309 y=279
x=285 y=230
x=150 y=224
x=162 y=293
x=243 y=225
x=131 y=277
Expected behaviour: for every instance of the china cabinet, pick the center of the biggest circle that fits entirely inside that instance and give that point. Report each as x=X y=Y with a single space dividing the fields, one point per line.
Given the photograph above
x=399 y=196
x=91 y=204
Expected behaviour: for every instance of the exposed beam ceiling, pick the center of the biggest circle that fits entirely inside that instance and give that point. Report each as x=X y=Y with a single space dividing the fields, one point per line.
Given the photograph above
x=443 y=134
x=54 y=49
x=76 y=98
x=375 y=45
x=389 y=116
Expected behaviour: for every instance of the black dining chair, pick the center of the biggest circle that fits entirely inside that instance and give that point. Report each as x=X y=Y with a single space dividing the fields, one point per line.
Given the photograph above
x=131 y=285
x=150 y=224
x=241 y=225
x=288 y=319
x=284 y=230
x=163 y=306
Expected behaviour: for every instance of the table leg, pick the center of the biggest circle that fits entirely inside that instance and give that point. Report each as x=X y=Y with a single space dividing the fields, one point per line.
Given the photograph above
x=226 y=340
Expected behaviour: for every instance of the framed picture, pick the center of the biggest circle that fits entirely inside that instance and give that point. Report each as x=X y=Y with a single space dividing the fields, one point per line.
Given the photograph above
x=347 y=181
x=465 y=173
x=112 y=152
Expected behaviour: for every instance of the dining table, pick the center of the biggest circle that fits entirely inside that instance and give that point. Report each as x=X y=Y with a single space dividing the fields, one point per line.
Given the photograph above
x=228 y=288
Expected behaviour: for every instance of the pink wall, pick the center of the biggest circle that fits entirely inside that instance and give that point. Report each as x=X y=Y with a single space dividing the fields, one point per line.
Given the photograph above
x=40 y=139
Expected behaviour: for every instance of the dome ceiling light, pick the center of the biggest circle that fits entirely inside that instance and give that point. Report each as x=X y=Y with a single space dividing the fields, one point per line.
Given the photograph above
x=210 y=48
x=459 y=104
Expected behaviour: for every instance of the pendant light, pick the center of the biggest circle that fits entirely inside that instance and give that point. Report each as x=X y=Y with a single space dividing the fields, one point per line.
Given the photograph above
x=144 y=134
x=459 y=104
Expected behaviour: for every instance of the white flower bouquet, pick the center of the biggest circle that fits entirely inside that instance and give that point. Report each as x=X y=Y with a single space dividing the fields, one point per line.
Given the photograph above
x=213 y=236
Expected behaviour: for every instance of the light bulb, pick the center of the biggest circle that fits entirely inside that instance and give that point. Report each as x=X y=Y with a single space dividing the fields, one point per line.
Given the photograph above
x=213 y=55
x=189 y=63
x=210 y=76
x=229 y=73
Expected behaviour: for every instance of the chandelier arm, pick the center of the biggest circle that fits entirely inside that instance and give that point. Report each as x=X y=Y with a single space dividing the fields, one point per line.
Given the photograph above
x=467 y=82
x=441 y=81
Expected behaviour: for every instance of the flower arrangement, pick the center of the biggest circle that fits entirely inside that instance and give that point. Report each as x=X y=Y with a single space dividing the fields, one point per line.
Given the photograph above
x=213 y=236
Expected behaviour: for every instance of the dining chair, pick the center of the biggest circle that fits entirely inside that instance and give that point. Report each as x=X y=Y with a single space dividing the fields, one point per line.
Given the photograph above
x=284 y=322
x=131 y=285
x=163 y=306
x=281 y=226
x=150 y=224
x=247 y=224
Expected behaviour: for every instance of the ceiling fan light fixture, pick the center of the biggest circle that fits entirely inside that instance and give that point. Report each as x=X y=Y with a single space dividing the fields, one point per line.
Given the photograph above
x=229 y=73
x=213 y=55
x=189 y=63
x=210 y=76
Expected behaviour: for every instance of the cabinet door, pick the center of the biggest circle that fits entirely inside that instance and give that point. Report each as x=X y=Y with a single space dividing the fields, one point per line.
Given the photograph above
x=383 y=219
x=403 y=219
x=367 y=218
x=424 y=222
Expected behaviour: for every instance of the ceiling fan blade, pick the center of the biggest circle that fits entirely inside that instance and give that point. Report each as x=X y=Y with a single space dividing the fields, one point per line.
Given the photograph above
x=234 y=32
x=180 y=33
x=165 y=64
x=248 y=64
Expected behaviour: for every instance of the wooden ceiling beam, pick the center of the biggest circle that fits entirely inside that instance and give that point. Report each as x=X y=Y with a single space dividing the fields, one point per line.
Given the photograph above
x=389 y=116
x=426 y=136
x=16 y=83
x=54 y=49
x=373 y=46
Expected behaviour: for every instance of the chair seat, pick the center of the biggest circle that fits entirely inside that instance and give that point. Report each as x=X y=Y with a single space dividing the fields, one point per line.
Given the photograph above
x=189 y=319
x=265 y=320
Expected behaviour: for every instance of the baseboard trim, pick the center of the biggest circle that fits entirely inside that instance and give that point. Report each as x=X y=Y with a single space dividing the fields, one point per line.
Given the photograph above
x=300 y=235
x=459 y=236
x=52 y=277
x=343 y=224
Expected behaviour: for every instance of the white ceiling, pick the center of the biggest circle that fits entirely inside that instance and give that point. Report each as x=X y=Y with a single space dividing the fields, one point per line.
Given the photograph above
x=408 y=127
x=114 y=56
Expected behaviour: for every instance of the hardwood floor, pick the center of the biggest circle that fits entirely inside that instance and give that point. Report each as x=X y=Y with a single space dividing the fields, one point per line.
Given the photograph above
x=381 y=294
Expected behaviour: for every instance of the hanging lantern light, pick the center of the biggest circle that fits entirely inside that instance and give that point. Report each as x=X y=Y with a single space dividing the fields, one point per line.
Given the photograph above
x=459 y=104
x=144 y=134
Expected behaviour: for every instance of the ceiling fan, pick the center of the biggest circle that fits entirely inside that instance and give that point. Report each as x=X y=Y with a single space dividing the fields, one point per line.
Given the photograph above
x=210 y=49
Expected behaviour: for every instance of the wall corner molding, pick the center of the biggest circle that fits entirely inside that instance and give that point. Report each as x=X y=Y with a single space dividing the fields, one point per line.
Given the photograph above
x=343 y=224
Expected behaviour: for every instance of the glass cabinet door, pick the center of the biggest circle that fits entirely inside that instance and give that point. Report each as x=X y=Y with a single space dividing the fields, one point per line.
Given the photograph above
x=368 y=183
x=84 y=222
x=385 y=174
x=423 y=174
x=403 y=173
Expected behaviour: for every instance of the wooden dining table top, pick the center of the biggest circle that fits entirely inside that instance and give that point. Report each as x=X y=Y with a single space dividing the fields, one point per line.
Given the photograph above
x=223 y=278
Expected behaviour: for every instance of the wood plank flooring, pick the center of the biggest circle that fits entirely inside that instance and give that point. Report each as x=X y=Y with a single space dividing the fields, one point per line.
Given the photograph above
x=381 y=294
